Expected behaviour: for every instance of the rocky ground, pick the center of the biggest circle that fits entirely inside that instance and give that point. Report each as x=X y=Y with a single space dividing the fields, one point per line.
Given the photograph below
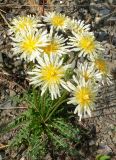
x=101 y=15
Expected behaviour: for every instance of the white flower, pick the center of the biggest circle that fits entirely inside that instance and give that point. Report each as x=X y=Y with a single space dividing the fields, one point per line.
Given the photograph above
x=86 y=44
x=87 y=71
x=102 y=66
x=57 y=45
x=49 y=74
x=57 y=20
x=21 y=23
x=30 y=44
x=78 y=26
x=84 y=96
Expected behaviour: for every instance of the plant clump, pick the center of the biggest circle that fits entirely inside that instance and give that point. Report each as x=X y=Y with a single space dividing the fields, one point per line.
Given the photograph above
x=67 y=66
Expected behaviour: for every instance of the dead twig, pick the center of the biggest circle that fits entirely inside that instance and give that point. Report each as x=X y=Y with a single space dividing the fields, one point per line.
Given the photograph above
x=105 y=18
x=48 y=1
x=11 y=108
x=3 y=146
x=7 y=76
x=4 y=19
x=2 y=11
x=36 y=6
x=99 y=115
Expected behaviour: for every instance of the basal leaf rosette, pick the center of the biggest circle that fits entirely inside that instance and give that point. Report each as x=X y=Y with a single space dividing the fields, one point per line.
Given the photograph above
x=49 y=74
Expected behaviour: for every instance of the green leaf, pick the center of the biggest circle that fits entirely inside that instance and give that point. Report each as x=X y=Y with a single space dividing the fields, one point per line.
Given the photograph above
x=103 y=157
x=66 y=129
x=37 y=144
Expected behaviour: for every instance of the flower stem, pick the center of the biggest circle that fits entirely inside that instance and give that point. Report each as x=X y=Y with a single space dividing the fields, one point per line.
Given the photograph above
x=56 y=105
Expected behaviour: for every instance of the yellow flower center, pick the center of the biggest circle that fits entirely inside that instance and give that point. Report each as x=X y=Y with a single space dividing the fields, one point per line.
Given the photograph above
x=101 y=65
x=51 y=48
x=52 y=74
x=84 y=96
x=87 y=43
x=29 y=44
x=57 y=20
x=23 y=23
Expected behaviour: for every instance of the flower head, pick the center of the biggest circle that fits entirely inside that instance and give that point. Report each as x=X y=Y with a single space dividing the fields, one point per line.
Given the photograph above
x=84 y=95
x=20 y=24
x=56 y=45
x=29 y=44
x=86 y=44
x=87 y=71
x=78 y=26
x=57 y=20
x=101 y=65
x=49 y=74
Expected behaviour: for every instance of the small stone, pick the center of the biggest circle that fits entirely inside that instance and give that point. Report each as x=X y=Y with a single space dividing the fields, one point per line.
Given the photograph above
x=0 y=157
x=93 y=8
x=12 y=93
x=23 y=158
x=112 y=1
x=114 y=140
x=61 y=1
x=91 y=143
x=102 y=36
x=97 y=19
x=48 y=157
x=114 y=41
x=59 y=8
x=17 y=63
x=112 y=19
x=1 y=58
x=104 y=149
x=104 y=12
x=7 y=104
